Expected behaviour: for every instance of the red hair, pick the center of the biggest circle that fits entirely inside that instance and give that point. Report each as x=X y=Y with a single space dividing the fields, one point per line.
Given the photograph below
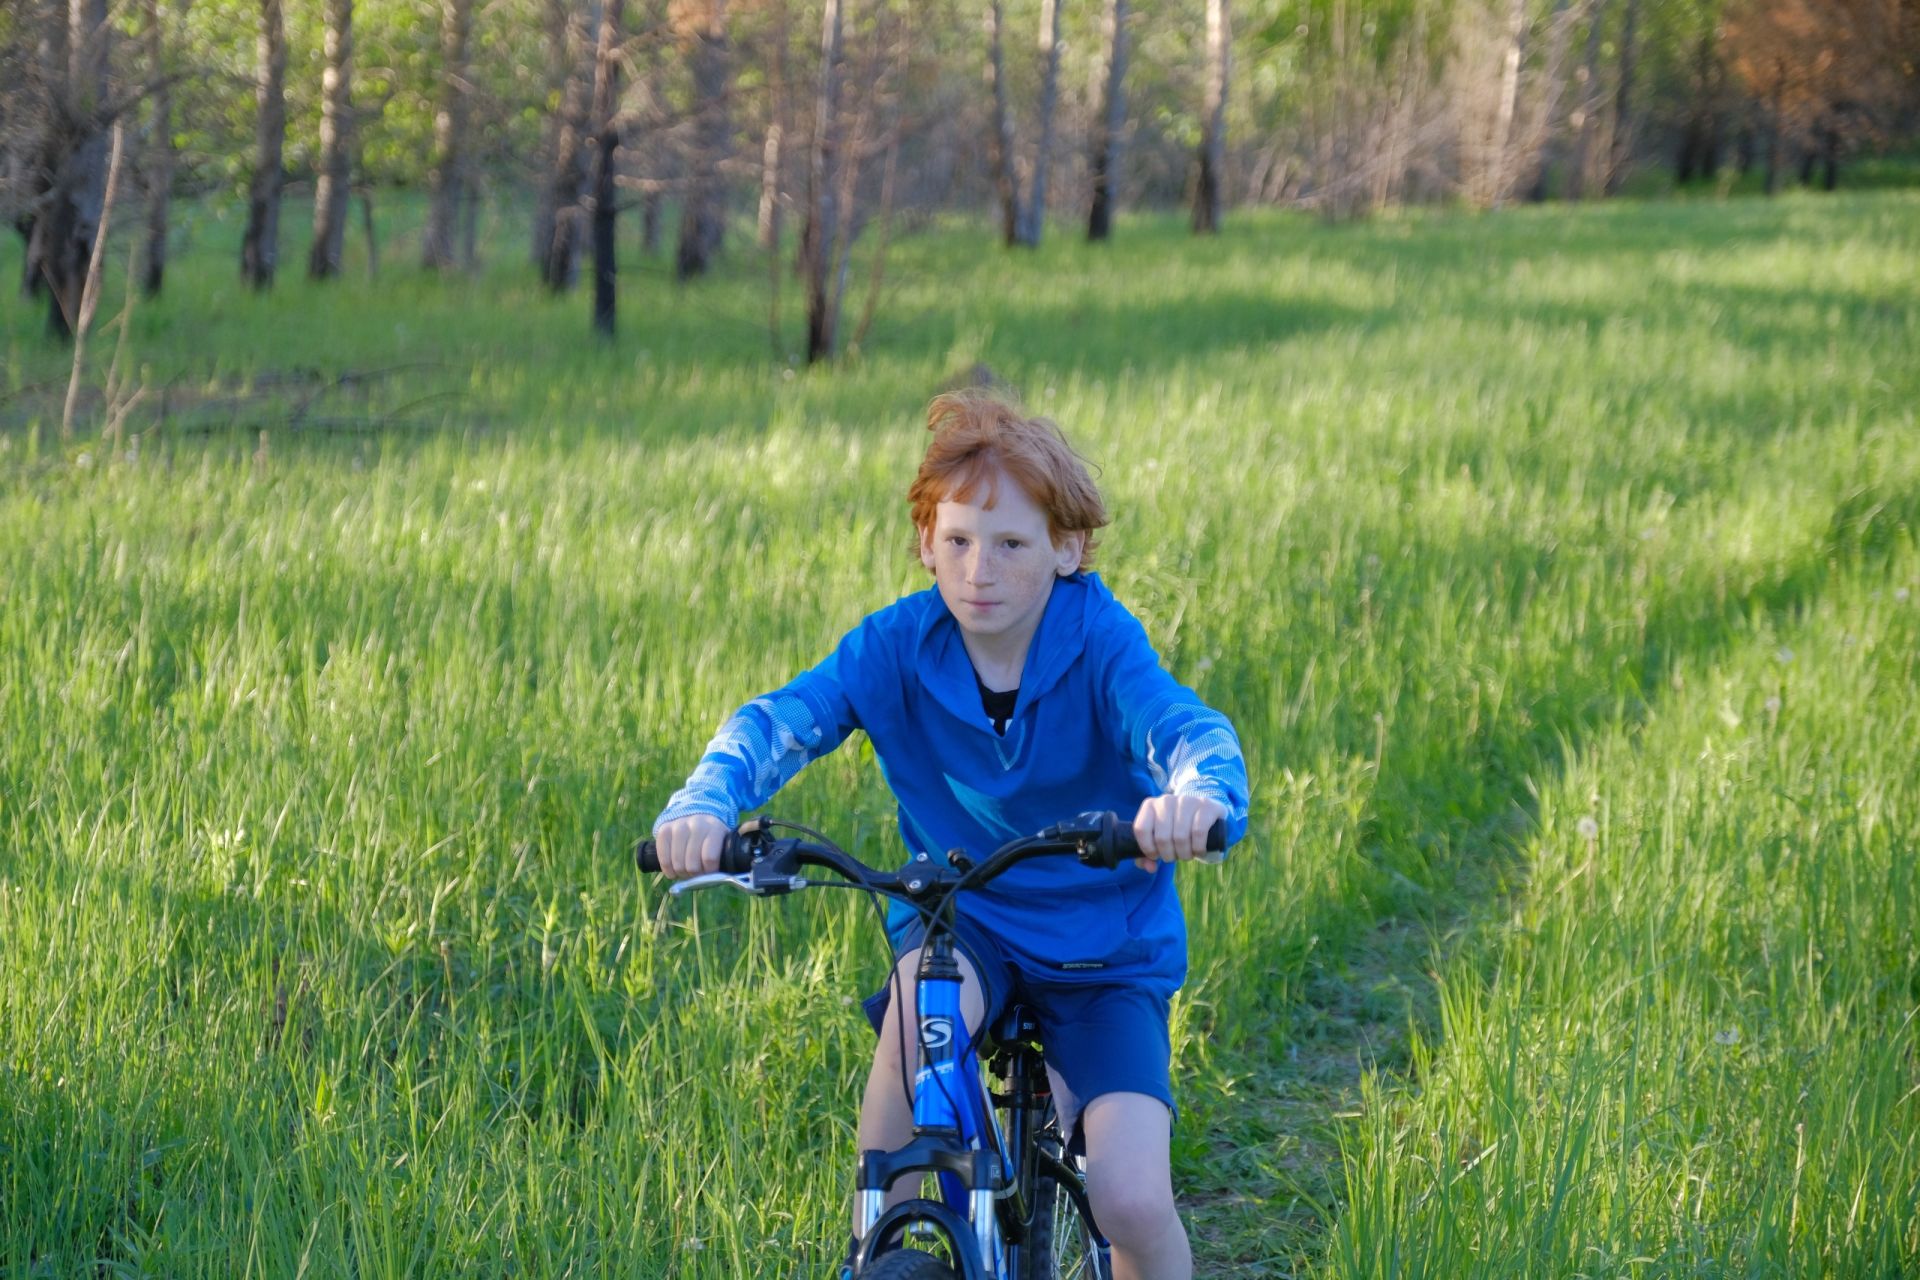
x=977 y=435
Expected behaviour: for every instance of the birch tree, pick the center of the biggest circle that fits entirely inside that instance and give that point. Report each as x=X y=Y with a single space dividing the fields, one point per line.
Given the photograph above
x=1022 y=195
x=819 y=238
x=1110 y=125
x=260 y=248
x=334 y=178
x=703 y=209
x=66 y=152
x=157 y=171
x=559 y=229
x=606 y=123
x=448 y=181
x=1212 y=155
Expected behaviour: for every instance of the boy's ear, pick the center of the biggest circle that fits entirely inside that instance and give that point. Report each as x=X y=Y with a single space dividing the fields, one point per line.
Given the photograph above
x=926 y=547
x=1068 y=549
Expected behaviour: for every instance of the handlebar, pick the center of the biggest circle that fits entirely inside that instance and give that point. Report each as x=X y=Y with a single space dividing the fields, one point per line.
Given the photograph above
x=1096 y=839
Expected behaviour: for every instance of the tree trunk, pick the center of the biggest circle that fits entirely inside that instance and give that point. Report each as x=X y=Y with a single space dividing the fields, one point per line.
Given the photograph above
x=1006 y=183
x=1620 y=152
x=606 y=123
x=1829 y=157
x=90 y=295
x=334 y=187
x=1777 y=131
x=1535 y=173
x=567 y=181
x=448 y=181
x=1589 y=109
x=366 y=225
x=818 y=236
x=770 y=150
x=1501 y=151
x=158 y=178
x=651 y=209
x=767 y=226
x=703 y=209
x=260 y=250
x=1033 y=214
x=1110 y=128
x=470 y=223
x=559 y=69
x=1213 y=136
x=73 y=158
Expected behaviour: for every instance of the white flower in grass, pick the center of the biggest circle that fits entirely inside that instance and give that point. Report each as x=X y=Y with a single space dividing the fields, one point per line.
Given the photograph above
x=1902 y=594
x=1773 y=705
x=1588 y=828
x=1785 y=655
x=1730 y=1036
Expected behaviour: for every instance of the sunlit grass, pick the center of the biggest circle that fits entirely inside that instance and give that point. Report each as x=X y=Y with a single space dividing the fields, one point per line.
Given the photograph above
x=322 y=753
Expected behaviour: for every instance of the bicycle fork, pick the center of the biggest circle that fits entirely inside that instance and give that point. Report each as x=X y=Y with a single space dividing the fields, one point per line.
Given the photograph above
x=949 y=1122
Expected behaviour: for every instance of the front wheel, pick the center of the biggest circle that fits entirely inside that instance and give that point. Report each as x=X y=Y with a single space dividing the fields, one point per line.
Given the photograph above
x=907 y=1264
x=1061 y=1244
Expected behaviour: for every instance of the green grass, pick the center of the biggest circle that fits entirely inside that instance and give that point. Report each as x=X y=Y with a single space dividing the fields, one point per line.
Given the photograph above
x=324 y=744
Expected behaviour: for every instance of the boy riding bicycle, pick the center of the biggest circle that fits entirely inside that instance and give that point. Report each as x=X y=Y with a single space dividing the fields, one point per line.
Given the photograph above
x=1015 y=693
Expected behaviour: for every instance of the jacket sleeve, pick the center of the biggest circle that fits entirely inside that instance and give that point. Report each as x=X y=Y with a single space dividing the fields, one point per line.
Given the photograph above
x=1188 y=748
x=765 y=743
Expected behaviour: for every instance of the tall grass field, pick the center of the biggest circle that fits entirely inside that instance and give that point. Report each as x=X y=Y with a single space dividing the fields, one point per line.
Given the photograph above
x=1558 y=568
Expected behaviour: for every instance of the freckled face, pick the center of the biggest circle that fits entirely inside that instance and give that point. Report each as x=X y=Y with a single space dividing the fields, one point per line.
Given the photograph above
x=995 y=565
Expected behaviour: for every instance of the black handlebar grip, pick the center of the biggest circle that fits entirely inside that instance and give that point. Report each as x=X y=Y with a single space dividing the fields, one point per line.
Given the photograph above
x=1126 y=848
x=735 y=856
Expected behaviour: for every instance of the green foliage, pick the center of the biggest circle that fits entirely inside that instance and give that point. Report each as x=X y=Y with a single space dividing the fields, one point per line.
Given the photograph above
x=1557 y=568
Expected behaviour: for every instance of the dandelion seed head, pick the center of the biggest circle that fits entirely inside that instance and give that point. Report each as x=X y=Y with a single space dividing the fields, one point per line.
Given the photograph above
x=1773 y=705
x=1588 y=828
x=1902 y=594
x=1785 y=655
x=1730 y=1036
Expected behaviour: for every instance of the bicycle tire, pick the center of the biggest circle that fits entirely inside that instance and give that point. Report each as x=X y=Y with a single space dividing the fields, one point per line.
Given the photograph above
x=907 y=1264
x=1061 y=1244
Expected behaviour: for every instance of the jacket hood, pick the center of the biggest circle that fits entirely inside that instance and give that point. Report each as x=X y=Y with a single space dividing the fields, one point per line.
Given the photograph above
x=1057 y=644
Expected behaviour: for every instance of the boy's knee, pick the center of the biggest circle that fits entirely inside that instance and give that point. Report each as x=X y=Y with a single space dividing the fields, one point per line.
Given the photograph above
x=1133 y=1214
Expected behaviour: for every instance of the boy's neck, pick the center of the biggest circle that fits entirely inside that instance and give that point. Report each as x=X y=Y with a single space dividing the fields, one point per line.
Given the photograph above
x=999 y=660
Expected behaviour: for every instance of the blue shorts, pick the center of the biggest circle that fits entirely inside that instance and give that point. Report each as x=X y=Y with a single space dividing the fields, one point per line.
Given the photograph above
x=1100 y=1037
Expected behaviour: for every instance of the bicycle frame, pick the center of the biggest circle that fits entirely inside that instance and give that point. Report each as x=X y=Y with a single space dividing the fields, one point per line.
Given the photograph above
x=955 y=1134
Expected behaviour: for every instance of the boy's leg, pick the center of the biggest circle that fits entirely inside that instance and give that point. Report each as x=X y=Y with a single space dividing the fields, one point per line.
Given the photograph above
x=1109 y=1043
x=1130 y=1182
x=886 y=1112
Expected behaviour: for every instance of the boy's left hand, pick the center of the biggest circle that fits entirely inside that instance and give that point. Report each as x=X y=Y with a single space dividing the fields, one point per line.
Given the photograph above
x=1174 y=828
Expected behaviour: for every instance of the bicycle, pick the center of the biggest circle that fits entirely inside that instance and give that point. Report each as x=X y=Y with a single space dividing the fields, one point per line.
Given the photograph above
x=1013 y=1204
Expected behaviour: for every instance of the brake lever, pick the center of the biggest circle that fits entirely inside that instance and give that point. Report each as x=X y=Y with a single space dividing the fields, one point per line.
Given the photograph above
x=713 y=880
x=752 y=883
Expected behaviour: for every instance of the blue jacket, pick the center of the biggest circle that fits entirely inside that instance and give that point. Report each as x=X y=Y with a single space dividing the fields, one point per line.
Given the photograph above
x=1098 y=725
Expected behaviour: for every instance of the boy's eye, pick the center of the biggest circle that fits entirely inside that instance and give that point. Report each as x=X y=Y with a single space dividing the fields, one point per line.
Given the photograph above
x=1012 y=543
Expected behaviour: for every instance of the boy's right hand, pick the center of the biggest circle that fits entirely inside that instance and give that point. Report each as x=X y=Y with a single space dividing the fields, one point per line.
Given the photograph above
x=691 y=845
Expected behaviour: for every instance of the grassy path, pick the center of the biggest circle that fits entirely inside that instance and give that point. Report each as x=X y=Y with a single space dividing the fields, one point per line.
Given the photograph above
x=1570 y=896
